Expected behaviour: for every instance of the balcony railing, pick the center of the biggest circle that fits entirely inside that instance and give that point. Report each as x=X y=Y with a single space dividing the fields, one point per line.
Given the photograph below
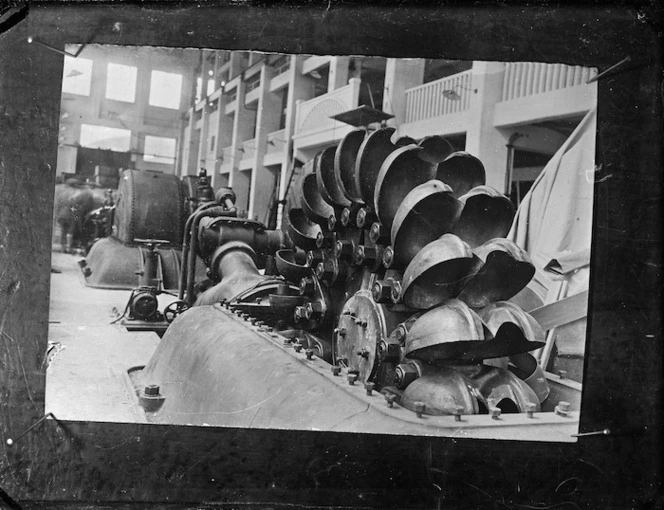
x=314 y=115
x=441 y=97
x=529 y=78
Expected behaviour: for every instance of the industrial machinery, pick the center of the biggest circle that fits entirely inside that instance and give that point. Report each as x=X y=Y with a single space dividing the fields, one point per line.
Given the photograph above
x=382 y=307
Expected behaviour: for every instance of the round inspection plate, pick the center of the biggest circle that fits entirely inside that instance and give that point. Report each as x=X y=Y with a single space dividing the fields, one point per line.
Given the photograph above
x=361 y=326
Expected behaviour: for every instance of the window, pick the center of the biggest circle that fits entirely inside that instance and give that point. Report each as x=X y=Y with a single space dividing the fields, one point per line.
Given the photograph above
x=102 y=137
x=121 y=83
x=77 y=76
x=165 y=90
x=158 y=149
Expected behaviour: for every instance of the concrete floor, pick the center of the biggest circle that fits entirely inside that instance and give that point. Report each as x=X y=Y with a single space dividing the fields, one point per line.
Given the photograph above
x=89 y=358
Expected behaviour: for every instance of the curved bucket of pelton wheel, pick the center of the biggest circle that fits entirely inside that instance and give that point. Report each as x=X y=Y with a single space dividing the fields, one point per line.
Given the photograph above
x=401 y=171
x=518 y=358
x=302 y=231
x=438 y=272
x=487 y=214
x=428 y=211
x=345 y=158
x=373 y=151
x=313 y=205
x=506 y=271
x=327 y=183
x=462 y=172
x=435 y=149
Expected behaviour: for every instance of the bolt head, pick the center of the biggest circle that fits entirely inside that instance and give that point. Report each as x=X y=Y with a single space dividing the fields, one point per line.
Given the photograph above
x=345 y=216
x=351 y=379
x=495 y=412
x=565 y=407
x=361 y=217
x=331 y=222
x=152 y=389
x=310 y=354
x=388 y=257
x=336 y=370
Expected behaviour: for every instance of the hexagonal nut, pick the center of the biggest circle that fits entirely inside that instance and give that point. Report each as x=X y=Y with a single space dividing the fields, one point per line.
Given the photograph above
x=405 y=374
x=344 y=249
x=336 y=370
x=378 y=233
x=382 y=290
x=361 y=218
x=345 y=216
x=299 y=313
x=331 y=222
x=307 y=286
x=396 y=292
x=388 y=257
x=151 y=389
x=313 y=309
x=389 y=351
x=494 y=412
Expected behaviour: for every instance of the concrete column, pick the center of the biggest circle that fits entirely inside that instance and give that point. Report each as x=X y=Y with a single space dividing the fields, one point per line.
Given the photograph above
x=240 y=180
x=338 y=76
x=267 y=121
x=400 y=75
x=483 y=140
x=205 y=113
x=191 y=150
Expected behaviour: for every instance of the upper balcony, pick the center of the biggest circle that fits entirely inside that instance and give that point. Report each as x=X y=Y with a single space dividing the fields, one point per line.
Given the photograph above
x=531 y=92
x=313 y=123
x=534 y=91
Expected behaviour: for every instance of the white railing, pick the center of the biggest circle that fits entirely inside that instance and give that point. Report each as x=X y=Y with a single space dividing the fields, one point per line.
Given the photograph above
x=276 y=141
x=529 y=78
x=441 y=97
x=314 y=115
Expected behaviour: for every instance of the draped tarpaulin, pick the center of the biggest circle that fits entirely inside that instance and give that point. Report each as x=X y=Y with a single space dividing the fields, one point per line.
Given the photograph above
x=554 y=221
